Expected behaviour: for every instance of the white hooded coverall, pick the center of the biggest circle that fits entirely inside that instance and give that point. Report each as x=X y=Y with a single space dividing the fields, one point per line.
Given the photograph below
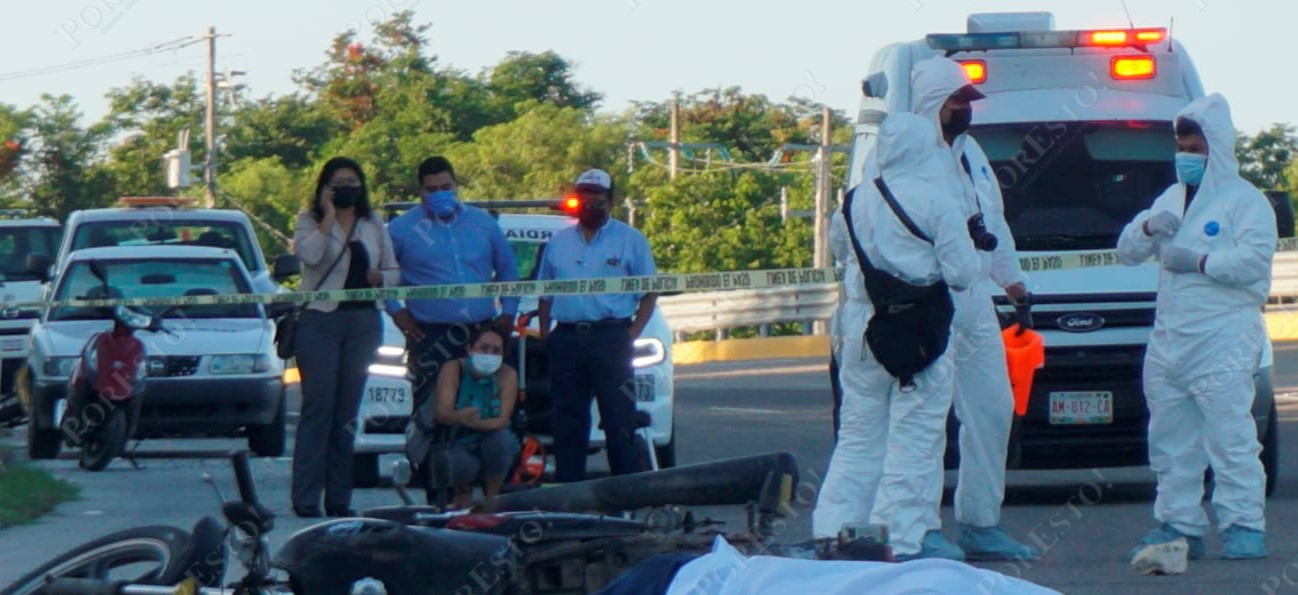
x=983 y=399
x=908 y=428
x=1208 y=337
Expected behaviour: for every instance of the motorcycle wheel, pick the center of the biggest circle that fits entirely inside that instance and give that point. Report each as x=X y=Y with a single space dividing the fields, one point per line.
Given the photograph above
x=101 y=446
x=161 y=546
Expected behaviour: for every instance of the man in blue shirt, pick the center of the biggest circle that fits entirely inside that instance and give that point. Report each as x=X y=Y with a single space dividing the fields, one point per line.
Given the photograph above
x=443 y=242
x=590 y=349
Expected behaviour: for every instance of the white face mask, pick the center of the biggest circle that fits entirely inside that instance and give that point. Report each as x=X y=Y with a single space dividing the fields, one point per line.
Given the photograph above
x=485 y=363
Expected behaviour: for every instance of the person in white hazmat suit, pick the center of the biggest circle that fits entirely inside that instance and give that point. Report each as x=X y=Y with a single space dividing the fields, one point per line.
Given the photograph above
x=1215 y=237
x=984 y=402
x=890 y=442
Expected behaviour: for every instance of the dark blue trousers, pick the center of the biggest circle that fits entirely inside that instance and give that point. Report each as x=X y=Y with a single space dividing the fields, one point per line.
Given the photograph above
x=586 y=362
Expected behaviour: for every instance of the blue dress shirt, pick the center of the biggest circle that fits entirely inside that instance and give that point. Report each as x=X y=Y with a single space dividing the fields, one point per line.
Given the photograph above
x=468 y=248
x=616 y=250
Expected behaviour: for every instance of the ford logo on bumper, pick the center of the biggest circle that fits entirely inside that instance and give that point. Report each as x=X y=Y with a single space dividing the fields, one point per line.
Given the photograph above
x=1080 y=322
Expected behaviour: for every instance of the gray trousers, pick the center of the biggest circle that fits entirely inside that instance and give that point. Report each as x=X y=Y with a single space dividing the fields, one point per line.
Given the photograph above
x=334 y=353
x=491 y=458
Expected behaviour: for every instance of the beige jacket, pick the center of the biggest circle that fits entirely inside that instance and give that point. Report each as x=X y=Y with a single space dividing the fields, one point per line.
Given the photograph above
x=317 y=250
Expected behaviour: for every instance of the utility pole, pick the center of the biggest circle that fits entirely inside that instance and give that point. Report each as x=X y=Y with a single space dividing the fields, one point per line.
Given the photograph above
x=824 y=185
x=209 y=141
x=676 y=135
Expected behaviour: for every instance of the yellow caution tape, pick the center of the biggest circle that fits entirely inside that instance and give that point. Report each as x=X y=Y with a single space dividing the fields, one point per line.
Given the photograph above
x=666 y=283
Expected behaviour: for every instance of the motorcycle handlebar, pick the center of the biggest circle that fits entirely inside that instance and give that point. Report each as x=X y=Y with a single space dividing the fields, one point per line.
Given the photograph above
x=243 y=475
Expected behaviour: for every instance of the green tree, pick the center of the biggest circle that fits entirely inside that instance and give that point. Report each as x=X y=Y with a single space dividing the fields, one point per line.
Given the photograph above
x=539 y=154
x=291 y=128
x=724 y=220
x=524 y=77
x=1264 y=157
x=146 y=118
x=269 y=192
x=13 y=146
x=64 y=170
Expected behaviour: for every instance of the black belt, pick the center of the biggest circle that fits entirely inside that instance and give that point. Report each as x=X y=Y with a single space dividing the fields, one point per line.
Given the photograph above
x=587 y=326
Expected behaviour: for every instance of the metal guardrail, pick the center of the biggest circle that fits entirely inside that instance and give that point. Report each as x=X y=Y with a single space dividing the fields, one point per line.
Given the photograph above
x=722 y=310
x=719 y=310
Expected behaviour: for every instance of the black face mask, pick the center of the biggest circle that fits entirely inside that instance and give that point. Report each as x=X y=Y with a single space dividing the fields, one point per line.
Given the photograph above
x=592 y=218
x=959 y=123
x=346 y=196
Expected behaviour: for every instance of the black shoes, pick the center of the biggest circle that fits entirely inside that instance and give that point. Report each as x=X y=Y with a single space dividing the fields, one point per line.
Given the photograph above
x=308 y=513
x=341 y=512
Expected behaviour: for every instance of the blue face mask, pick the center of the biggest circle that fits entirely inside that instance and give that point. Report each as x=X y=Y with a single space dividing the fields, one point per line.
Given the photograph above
x=1190 y=167
x=441 y=203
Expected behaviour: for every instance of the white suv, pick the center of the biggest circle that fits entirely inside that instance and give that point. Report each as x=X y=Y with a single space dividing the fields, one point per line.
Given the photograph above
x=20 y=237
x=384 y=412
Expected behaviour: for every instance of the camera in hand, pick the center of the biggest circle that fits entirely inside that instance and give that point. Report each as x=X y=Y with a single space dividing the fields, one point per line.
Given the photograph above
x=982 y=239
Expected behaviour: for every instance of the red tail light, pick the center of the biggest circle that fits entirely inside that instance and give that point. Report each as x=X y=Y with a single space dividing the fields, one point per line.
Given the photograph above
x=1133 y=67
x=976 y=69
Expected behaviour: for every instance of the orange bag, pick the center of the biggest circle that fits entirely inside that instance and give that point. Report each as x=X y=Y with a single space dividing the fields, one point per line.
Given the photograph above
x=1024 y=354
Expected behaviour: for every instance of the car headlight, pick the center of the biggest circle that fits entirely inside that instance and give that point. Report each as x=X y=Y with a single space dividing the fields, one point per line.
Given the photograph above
x=391 y=355
x=647 y=352
x=238 y=364
x=60 y=367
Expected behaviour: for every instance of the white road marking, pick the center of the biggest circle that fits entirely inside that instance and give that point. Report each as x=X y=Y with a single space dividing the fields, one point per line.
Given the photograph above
x=744 y=410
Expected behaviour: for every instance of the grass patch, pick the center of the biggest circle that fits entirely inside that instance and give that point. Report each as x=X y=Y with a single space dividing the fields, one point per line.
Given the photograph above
x=28 y=492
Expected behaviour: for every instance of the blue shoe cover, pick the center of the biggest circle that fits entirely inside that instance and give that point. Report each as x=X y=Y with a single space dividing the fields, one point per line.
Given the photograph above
x=1242 y=543
x=934 y=545
x=1167 y=534
x=992 y=543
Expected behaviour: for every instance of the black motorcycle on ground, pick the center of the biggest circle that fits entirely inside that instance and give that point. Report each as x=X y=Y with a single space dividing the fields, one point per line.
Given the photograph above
x=573 y=538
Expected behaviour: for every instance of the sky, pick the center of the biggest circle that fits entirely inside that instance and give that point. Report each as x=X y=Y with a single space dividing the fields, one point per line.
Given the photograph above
x=625 y=49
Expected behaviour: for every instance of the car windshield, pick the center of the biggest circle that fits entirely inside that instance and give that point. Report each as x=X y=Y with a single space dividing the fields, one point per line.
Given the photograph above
x=527 y=257
x=160 y=230
x=155 y=278
x=17 y=242
x=1075 y=185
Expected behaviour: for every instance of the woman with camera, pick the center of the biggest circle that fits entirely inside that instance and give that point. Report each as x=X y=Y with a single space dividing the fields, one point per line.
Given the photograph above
x=343 y=244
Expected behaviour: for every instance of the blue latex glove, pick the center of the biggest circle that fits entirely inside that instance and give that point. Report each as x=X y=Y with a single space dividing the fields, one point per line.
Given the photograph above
x=1181 y=260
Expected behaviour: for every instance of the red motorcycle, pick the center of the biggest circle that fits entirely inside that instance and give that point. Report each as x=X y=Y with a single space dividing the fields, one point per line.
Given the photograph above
x=106 y=386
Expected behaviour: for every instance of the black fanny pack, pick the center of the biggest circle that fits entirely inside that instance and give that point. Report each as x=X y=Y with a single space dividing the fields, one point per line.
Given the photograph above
x=911 y=325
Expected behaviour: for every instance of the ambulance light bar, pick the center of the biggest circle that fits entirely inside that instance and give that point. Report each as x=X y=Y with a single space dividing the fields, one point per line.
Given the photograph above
x=1134 y=38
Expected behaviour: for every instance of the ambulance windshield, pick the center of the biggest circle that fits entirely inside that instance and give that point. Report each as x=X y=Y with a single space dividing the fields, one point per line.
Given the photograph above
x=1074 y=185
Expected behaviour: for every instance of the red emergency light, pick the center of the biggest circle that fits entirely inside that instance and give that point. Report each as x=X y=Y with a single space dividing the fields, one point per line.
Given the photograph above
x=976 y=69
x=1133 y=67
x=571 y=204
x=1120 y=37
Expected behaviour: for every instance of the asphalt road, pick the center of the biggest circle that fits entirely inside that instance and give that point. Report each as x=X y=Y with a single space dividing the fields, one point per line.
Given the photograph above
x=1085 y=520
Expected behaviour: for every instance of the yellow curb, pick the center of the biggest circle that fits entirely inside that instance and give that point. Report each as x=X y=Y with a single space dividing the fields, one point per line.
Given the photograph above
x=1282 y=325
x=757 y=348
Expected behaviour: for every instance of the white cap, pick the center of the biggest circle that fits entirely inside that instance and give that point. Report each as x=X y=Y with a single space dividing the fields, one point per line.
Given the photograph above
x=595 y=178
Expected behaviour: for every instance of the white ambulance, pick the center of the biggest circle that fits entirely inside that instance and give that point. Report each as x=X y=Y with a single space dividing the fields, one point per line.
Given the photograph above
x=1077 y=125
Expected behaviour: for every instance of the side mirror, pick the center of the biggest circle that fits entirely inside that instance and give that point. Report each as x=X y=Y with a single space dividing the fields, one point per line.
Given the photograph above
x=39 y=265
x=287 y=265
x=1284 y=212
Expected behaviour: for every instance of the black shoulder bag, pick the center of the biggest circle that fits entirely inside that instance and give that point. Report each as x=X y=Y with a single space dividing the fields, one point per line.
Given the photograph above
x=286 y=328
x=911 y=325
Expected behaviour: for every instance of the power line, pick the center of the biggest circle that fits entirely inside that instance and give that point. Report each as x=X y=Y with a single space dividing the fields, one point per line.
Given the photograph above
x=170 y=45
